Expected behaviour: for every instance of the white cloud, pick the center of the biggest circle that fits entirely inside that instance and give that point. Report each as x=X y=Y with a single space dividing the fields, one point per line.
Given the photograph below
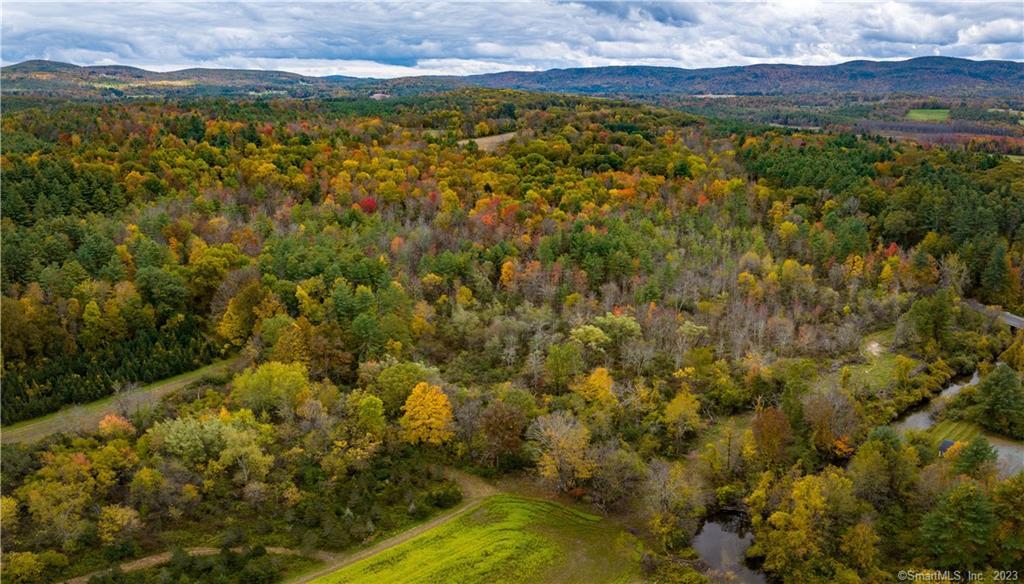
x=388 y=39
x=904 y=23
x=1004 y=30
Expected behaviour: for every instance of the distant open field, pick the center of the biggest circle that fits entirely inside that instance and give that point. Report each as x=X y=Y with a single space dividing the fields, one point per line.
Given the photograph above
x=506 y=539
x=928 y=115
x=491 y=143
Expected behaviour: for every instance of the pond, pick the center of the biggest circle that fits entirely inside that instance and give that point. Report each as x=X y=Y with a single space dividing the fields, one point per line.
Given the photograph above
x=721 y=544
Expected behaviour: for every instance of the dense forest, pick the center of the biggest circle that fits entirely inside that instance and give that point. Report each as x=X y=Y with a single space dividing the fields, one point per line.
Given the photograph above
x=650 y=314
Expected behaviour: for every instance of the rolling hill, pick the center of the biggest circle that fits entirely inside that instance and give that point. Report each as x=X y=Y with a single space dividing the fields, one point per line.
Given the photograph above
x=922 y=76
x=53 y=79
x=933 y=76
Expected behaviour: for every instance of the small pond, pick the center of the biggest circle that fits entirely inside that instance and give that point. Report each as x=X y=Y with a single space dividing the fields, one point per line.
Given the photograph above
x=721 y=543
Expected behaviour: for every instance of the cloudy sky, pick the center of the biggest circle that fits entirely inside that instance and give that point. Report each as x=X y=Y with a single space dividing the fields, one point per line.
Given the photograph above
x=388 y=39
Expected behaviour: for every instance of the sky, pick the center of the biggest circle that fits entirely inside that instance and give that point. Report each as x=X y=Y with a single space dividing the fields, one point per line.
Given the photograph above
x=392 y=39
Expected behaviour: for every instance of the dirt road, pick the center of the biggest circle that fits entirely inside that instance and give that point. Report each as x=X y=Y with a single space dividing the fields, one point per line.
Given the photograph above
x=87 y=416
x=474 y=491
x=162 y=558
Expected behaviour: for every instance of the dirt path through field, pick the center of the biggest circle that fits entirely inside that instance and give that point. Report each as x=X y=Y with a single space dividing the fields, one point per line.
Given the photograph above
x=474 y=491
x=88 y=416
x=162 y=558
x=874 y=349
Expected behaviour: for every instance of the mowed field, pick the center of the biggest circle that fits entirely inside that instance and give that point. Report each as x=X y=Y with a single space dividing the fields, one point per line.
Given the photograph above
x=928 y=115
x=1011 y=452
x=957 y=431
x=491 y=143
x=506 y=539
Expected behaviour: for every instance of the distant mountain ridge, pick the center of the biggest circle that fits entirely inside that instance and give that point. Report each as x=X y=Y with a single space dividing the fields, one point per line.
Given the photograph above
x=55 y=79
x=931 y=76
x=923 y=75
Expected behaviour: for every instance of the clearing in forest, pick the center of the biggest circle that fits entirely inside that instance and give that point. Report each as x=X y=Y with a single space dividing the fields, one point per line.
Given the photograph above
x=928 y=115
x=878 y=368
x=1010 y=452
x=490 y=143
x=506 y=539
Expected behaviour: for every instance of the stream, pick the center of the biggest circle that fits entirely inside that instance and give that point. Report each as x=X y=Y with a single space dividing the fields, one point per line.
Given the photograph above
x=723 y=540
x=1011 y=453
x=922 y=418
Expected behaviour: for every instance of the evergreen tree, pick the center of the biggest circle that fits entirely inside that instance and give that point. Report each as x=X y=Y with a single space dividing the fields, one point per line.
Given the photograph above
x=1002 y=402
x=958 y=534
x=995 y=279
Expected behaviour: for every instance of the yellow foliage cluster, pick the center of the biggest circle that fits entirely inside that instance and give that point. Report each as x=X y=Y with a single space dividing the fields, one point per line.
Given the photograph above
x=596 y=387
x=428 y=415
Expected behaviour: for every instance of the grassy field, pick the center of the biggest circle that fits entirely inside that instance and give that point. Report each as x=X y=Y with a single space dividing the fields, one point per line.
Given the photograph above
x=878 y=369
x=954 y=430
x=491 y=143
x=928 y=115
x=507 y=539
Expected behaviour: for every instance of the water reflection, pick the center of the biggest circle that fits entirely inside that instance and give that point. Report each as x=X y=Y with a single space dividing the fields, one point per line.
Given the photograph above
x=721 y=544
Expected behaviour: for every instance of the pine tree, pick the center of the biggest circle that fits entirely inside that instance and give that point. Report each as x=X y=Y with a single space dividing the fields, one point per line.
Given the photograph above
x=1002 y=402
x=958 y=534
x=995 y=278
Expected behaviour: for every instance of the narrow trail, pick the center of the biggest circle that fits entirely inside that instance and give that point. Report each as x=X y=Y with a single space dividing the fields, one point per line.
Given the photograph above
x=474 y=491
x=165 y=557
x=86 y=416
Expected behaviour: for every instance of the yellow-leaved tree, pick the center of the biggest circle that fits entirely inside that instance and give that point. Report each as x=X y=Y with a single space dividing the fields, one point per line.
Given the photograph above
x=118 y=523
x=563 y=446
x=597 y=387
x=428 y=415
x=682 y=415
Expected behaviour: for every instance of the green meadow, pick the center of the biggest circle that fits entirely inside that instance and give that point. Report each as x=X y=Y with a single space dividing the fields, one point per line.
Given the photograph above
x=877 y=370
x=928 y=115
x=506 y=539
x=957 y=431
